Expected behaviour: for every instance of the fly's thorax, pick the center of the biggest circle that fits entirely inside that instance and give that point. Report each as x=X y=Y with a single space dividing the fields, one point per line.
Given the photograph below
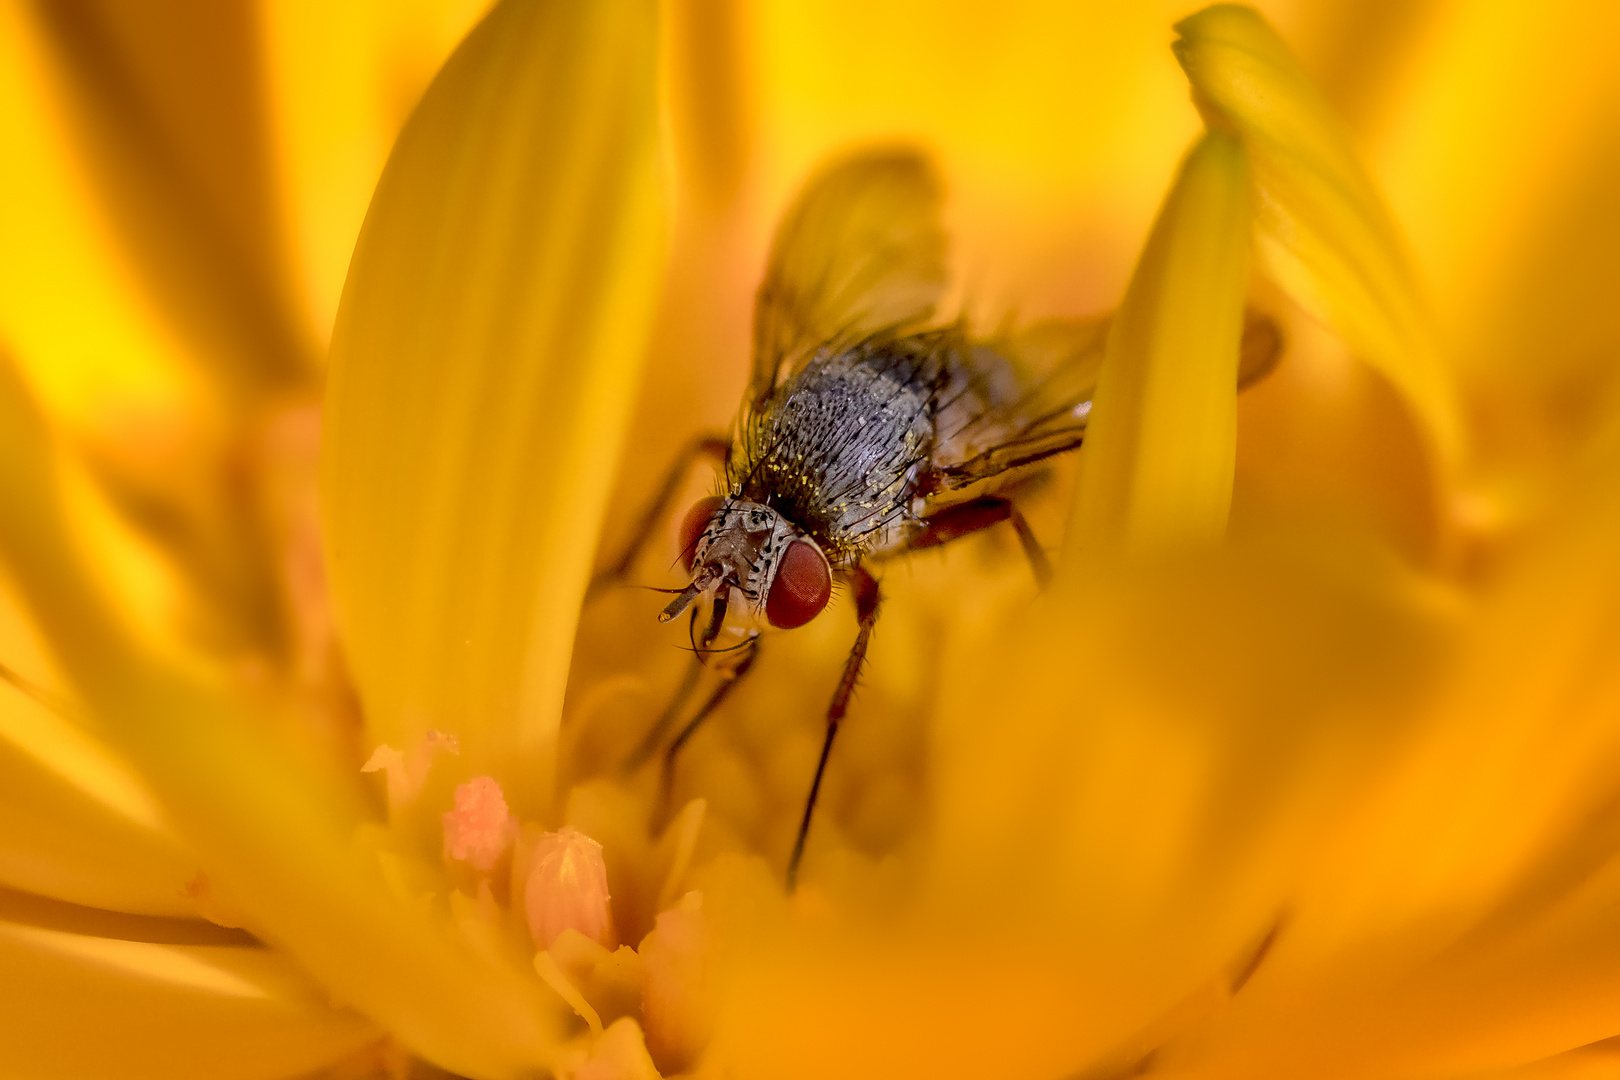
x=762 y=565
x=839 y=446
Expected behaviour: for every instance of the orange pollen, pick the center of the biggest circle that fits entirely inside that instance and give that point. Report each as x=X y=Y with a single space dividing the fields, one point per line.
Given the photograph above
x=480 y=828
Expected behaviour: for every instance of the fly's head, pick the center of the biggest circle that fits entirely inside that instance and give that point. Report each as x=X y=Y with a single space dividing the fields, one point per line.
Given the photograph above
x=745 y=556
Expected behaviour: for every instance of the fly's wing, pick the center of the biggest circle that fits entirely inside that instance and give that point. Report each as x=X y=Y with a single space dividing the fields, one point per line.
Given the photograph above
x=1016 y=399
x=861 y=251
x=1025 y=396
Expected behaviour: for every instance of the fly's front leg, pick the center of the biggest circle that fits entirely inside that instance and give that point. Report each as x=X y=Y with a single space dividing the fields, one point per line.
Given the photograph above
x=649 y=742
x=730 y=677
x=717 y=447
x=865 y=589
x=965 y=518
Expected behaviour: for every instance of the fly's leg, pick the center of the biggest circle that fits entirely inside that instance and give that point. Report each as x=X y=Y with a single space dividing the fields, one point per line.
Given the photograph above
x=1018 y=454
x=729 y=680
x=865 y=589
x=969 y=517
x=650 y=741
x=645 y=749
x=716 y=447
x=1260 y=349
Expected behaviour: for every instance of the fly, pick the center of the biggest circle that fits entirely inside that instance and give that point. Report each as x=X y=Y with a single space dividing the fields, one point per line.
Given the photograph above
x=865 y=433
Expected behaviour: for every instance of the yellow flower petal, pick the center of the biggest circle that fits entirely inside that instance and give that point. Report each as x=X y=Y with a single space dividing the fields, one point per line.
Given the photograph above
x=1156 y=468
x=483 y=366
x=341 y=79
x=77 y=1005
x=164 y=106
x=273 y=825
x=1476 y=884
x=1324 y=234
x=77 y=825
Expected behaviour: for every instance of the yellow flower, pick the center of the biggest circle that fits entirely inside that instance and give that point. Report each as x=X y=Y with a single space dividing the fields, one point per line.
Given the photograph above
x=1303 y=767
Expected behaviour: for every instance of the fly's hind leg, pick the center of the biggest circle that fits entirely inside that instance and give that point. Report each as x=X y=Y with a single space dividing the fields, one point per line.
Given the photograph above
x=867 y=597
x=965 y=518
x=655 y=734
x=716 y=447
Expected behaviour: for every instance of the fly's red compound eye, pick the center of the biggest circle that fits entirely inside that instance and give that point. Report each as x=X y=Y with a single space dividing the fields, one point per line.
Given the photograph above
x=692 y=526
x=801 y=589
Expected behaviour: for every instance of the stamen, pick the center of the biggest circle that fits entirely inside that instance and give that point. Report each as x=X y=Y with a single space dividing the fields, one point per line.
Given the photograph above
x=480 y=829
x=686 y=829
x=546 y=967
x=407 y=772
x=200 y=891
x=677 y=1001
x=567 y=889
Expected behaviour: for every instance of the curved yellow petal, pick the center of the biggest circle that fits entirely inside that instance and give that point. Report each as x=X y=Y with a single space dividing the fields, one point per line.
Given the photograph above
x=483 y=366
x=273 y=824
x=1136 y=826
x=76 y=824
x=340 y=80
x=77 y=1005
x=1514 y=751
x=1474 y=885
x=1156 y=468
x=1324 y=234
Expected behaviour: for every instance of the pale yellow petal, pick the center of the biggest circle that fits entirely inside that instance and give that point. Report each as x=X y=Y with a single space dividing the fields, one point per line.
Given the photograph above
x=77 y=824
x=1156 y=468
x=273 y=824
x=72 y=1004
x=483 y=367
x=340 y=80
x=1324 y=233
